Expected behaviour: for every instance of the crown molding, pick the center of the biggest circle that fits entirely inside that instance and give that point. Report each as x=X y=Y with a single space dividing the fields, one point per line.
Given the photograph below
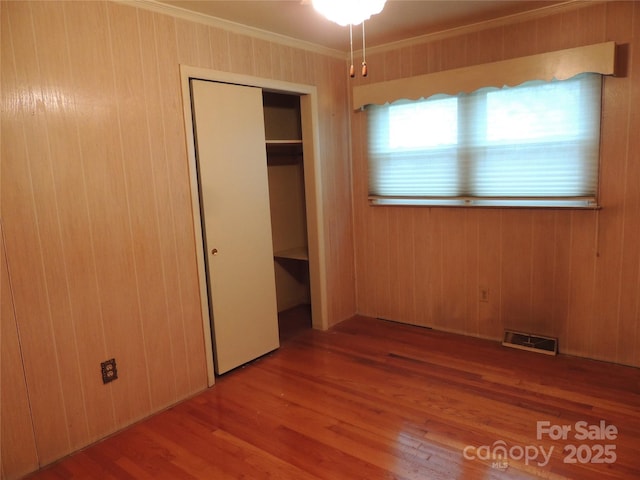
x=177 y=12
x=239 y=28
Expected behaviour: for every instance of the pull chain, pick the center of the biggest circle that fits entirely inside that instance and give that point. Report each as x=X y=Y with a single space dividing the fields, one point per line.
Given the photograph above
x=352 y=70
x=364 y=54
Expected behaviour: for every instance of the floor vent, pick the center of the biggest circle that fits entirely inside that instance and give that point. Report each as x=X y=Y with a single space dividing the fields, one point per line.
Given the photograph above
x=527 y=341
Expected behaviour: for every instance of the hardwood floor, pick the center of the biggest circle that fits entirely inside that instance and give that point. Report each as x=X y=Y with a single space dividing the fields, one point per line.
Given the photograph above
x=370 y=399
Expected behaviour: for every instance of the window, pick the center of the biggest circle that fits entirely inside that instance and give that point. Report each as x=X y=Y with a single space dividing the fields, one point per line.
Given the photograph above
x=536 y=144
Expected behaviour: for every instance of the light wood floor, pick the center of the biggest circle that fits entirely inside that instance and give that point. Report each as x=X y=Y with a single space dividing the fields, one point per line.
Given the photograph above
x=371 y=400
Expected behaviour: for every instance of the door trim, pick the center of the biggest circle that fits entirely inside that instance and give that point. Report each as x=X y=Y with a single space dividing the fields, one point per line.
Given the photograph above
x=313 y=191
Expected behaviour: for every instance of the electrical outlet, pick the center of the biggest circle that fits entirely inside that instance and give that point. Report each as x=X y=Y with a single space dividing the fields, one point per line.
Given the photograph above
x=109 y=371
x=484 y=294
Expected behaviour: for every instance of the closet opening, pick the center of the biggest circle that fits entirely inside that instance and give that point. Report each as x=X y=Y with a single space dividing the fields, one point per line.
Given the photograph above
x=285 y=169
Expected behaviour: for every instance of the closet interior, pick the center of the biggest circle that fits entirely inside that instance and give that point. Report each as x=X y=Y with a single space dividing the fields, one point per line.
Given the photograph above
x=285 y=168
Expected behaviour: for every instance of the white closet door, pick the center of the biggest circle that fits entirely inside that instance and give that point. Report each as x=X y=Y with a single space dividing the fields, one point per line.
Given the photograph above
x=229 y=128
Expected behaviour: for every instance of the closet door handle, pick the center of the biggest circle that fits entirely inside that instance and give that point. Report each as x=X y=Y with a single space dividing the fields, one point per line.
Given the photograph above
x=214 y=251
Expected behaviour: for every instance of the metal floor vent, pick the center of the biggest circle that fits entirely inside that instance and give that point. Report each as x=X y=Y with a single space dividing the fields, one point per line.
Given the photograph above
x=527 y=341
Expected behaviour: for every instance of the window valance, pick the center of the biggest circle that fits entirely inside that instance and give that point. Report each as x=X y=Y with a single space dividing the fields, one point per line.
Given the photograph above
x=559 y=65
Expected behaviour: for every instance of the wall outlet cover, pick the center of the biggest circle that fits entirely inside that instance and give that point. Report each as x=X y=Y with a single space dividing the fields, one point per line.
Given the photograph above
x=109 y=371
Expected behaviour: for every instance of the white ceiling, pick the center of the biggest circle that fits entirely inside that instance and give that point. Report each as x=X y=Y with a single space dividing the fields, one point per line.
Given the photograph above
x=400 y=19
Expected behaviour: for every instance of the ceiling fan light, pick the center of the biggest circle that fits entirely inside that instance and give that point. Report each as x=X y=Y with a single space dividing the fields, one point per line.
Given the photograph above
x=348 y=12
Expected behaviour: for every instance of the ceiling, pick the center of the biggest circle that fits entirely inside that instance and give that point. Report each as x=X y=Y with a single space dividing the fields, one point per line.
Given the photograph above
x=400 y=19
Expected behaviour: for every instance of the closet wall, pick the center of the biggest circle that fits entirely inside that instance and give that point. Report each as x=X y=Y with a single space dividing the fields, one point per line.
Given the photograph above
x=571 y=274
x=95 y=204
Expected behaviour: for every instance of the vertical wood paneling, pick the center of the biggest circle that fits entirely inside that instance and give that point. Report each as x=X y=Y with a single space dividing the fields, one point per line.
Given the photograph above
x=422 y=269
x=453 y=273
x=173 y=141
x=367 y=286
x=406 y=62
x=489 y=274
x=434 y=56
x=561 y=273
x=301 y=71
x=520 y=39
x=23 y=240
x=146 y=199
x=419 y=60
x=543 y=265
x=360 y=215
x=262 y=58
x=396 y=242
x=54 y=79
x=392 y=65
x=219 y=47
x=613 y=147
x=18 y=454
x=555 y=32
x=433 y=264
x=163 y=199
x=454 y=52
x=582 y=285
x=337 y=187
x=123 y=334
x=486 y=46
x=406 y=255
x=471 y=292
x=142 y=168
x=188 y=43
x=205 y=54
x=591 y=23
x=375 y=67
x=99 y=158
x=239 y=62
x=96 y=203
x=311 y=68
x=571 y=274
x=608 y=268
x=516 y=271
x=379 y=235
x=280 y=56
x=628 y=341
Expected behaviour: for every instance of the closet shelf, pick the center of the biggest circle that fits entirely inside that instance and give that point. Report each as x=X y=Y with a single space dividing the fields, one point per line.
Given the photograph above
x=284 y=142
x=297 y=253
x=284 y=152
x=284 y=147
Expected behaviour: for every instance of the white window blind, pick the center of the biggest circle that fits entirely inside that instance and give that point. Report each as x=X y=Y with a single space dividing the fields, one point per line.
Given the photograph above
x=536 y=144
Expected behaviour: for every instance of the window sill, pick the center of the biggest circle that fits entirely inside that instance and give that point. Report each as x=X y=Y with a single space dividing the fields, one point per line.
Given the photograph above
x=583 y=203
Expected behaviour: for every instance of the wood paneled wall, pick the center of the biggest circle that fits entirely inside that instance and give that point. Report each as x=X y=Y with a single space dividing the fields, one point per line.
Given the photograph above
x=571 y=274
x=96 y=208
x=17 y=443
